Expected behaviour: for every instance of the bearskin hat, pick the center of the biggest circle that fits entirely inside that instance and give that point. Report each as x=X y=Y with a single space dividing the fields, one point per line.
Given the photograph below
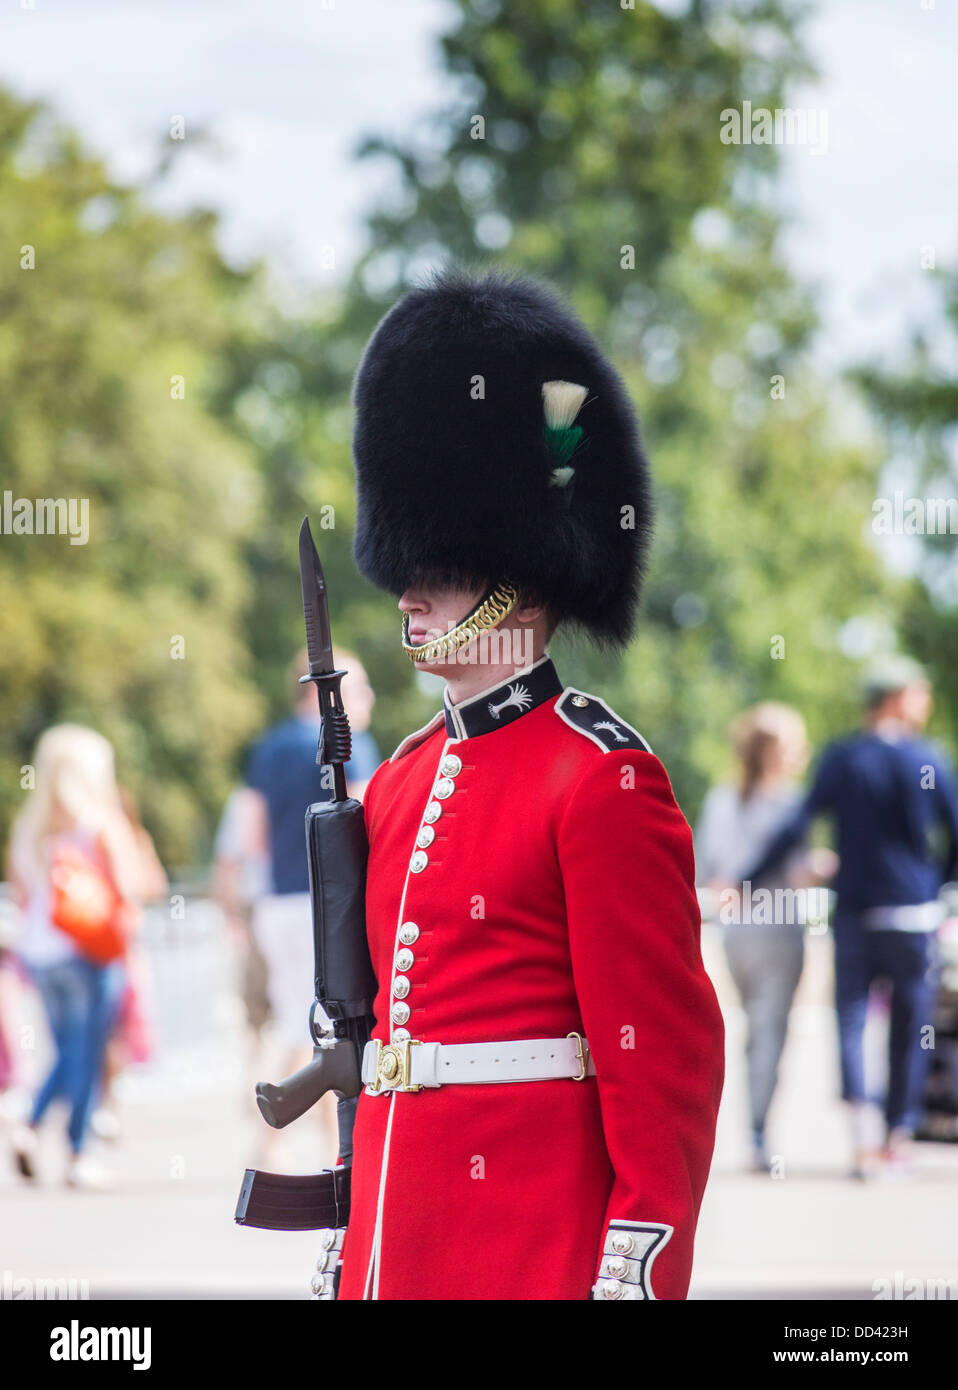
x=494 y=443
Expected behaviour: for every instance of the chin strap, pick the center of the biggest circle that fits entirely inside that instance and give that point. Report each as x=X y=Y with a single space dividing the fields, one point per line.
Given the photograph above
x=488 y=613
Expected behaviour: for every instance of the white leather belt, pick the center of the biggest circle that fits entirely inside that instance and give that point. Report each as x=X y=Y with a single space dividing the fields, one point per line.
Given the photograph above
x=410 y=1065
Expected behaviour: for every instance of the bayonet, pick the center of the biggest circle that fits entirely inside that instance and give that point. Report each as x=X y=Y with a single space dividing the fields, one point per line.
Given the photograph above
x=335 y=740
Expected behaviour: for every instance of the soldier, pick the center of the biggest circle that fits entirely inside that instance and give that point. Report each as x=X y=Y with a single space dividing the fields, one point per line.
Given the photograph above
x=542 y=1085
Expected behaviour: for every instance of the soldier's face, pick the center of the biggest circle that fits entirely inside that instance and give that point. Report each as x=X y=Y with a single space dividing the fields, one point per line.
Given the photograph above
x=434 y=612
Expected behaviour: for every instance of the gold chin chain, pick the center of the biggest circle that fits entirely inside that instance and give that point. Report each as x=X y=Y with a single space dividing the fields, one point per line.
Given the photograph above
x=489 y=613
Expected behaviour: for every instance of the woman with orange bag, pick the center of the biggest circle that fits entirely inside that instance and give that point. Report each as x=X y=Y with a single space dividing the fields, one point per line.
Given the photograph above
x=73 y=863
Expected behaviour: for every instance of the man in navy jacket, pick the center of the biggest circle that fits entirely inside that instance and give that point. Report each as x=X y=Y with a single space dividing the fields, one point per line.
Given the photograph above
x=893 y=800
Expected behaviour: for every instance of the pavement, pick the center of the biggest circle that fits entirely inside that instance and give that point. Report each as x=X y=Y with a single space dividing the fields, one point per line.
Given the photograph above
x=190 y=1128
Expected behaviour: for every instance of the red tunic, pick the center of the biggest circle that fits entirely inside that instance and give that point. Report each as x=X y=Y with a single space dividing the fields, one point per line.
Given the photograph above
x=557 y=895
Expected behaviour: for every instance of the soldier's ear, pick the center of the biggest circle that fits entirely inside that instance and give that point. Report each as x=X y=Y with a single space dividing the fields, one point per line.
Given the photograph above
x=528 y=612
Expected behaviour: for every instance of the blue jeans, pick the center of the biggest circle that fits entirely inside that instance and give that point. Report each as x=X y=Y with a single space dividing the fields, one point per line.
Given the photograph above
x=908 y=961
x=77 y=1001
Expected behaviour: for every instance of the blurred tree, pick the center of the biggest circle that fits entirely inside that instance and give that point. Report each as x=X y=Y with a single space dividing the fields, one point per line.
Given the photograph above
x=113 y=321
x=916 y=403
x=285 y=391
x=584 y=145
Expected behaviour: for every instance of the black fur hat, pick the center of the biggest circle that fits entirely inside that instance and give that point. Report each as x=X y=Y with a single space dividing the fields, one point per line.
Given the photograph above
x=469 y=474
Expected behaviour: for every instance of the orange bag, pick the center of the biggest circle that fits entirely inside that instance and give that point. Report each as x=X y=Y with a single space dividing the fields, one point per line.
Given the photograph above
x=85 y=904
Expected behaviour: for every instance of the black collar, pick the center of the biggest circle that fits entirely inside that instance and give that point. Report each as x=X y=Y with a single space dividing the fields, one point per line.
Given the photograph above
x=502 y=704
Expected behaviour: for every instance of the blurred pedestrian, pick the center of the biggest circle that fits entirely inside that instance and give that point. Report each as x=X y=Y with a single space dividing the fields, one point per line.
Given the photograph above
x=284 y=779
x=890 y=794
x=14 y=1097
x=7 y=1075
x=737 y=823
x=73 y=864
x=131 y=1029
x=240 y=878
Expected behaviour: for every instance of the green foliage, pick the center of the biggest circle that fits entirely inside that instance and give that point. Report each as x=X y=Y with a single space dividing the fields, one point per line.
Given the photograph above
x=600 y=168
x=120 y=301
x=599 y=165
x=915 y=402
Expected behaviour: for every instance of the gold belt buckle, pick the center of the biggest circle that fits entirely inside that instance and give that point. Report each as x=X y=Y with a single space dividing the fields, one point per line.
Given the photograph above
x=393 y=1066
x=582 y=1054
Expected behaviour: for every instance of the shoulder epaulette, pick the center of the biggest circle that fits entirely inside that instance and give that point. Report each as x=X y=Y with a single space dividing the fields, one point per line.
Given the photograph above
x=592 y=718
x=412 y=741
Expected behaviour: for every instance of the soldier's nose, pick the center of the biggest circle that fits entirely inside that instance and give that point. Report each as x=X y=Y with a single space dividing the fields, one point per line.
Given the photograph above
x=412 y=602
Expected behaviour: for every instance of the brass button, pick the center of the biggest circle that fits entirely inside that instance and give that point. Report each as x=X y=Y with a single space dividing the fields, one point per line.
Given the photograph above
x=408 y=933
x=610 y=1288
x=404 y=959
x=580 y=702
x=450 y=766
x=388 y=1066
x=618 y=1266
x=399 y=1013
x=400 y=1034
x=433 y=812
x=622 y=1243
x=419 y=861
x=400 y=986
x=425 y=837
x=444 y=788
x=327 y=1239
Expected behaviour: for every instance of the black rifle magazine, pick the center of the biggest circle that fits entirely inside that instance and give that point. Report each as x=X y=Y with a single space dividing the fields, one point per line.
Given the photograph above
x=280 y=1202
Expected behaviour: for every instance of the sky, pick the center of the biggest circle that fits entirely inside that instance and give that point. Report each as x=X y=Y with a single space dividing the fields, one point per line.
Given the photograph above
x=288 y=87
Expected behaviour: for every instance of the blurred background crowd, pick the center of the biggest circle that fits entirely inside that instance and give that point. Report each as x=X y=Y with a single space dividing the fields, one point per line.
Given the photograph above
x=793 y=648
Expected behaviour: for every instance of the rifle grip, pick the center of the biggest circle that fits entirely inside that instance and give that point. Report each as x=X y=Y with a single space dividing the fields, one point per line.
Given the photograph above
x=332 y=1069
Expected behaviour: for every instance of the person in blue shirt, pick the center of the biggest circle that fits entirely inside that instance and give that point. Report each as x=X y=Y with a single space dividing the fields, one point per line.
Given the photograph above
x=892 y=797
x=284 y=779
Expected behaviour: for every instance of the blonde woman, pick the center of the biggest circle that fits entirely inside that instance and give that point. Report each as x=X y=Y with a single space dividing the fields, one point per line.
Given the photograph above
x=737 y=823
x=75 y=804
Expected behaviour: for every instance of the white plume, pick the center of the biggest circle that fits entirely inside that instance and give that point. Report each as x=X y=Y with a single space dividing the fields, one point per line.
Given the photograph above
x=561 y=402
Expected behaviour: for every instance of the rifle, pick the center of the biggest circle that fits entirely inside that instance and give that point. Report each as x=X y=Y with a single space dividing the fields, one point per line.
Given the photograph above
x=341 y=1015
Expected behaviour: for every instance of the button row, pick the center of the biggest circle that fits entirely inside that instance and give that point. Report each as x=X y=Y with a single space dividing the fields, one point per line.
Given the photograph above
x=449 y=767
